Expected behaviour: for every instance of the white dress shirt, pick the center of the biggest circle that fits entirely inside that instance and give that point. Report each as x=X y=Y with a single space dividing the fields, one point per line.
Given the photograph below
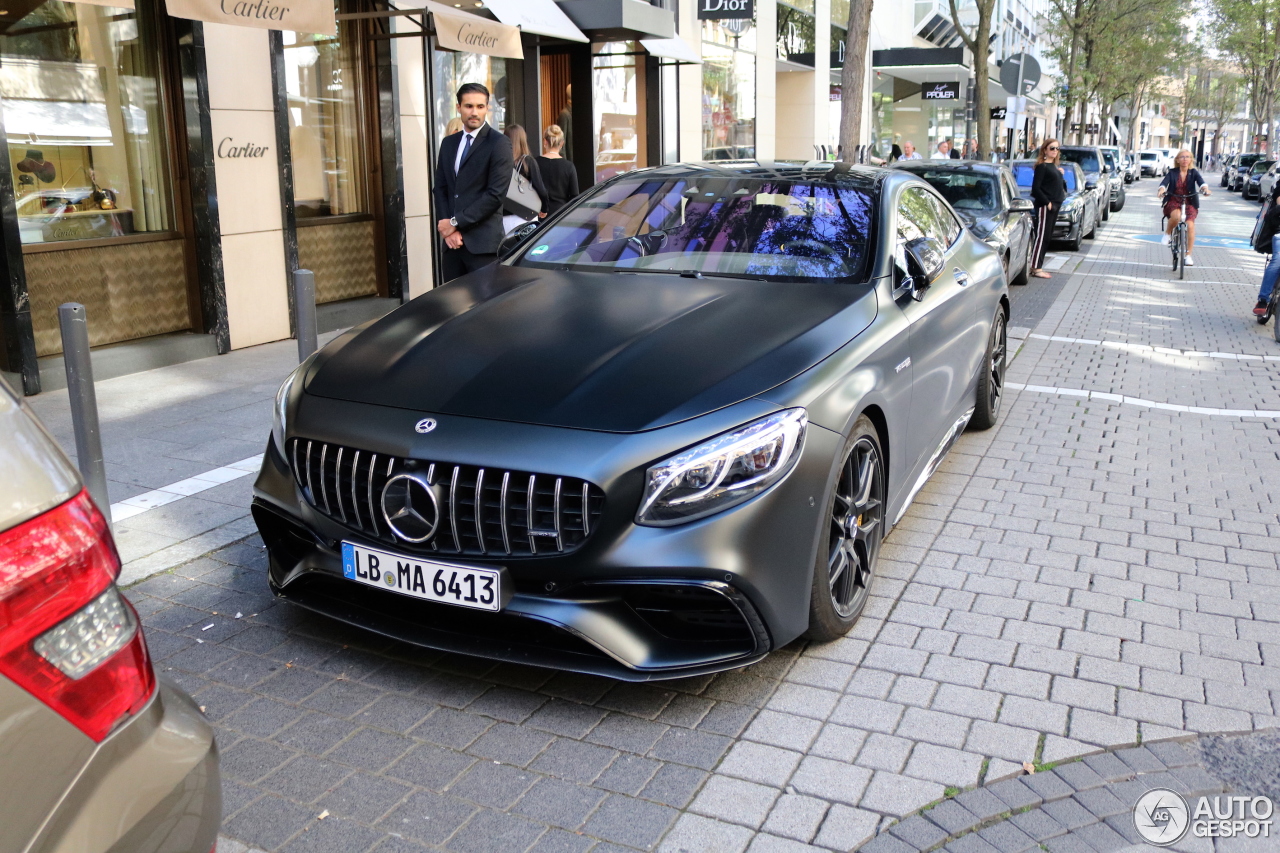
x=462 y=147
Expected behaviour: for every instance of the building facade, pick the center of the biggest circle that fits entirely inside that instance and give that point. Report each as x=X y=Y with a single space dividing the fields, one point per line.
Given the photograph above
x=171 y=174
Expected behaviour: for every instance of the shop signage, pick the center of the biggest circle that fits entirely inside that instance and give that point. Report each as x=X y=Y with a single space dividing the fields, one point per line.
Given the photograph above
x=839 y=41
x=301 y=16
x=1021 y=67
x=726 y=10
x=229 y=149
x=940 y=91
x=467 y=33
x=795 y=35
x=998 y=113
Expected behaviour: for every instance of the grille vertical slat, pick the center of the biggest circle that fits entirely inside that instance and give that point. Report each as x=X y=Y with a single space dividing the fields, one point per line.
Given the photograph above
x=355 y=501
x=528 y=514
x=373 y=514
x=479 y=513
x=453 y=506
x=485 y=516
x=506 y=532
x=337 y=481
x=556 y=510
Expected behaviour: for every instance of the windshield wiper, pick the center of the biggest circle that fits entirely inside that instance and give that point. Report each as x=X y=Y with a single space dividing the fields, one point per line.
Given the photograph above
x=690 y=274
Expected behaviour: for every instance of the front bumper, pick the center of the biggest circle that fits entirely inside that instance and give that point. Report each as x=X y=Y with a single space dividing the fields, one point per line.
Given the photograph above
x=634 y=603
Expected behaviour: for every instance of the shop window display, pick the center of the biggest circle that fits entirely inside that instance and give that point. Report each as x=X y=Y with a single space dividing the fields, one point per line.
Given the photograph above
x=83 y=123
x=330 y=164
x=451 y=70
x=728 y=90
x=618 y=97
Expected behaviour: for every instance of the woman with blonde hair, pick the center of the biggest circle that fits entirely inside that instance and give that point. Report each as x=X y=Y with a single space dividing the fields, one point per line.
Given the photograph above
x=1183 y=182
x=527 y=165
x=1048 y=191
x=454 y=126
x=558 y=173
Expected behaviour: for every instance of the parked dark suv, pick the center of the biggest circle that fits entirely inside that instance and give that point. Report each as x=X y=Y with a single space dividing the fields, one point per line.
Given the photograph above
x=1239 y=174
x=1096 y=173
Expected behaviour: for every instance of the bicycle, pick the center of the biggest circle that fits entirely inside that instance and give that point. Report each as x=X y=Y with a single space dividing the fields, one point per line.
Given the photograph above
x=1178 y=240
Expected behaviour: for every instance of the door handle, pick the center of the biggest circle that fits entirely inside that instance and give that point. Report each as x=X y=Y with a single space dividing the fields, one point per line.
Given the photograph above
x=962 y=277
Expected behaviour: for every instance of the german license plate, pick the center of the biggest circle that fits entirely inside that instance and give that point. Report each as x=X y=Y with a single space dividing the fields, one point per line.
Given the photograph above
x=429 y=580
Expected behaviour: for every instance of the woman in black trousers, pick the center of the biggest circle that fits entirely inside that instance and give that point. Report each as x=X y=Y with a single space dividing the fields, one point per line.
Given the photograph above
x=1048 y=190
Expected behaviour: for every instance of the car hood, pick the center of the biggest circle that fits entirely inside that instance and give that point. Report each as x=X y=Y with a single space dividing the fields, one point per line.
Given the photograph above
x=601 y=351
x=981 y=224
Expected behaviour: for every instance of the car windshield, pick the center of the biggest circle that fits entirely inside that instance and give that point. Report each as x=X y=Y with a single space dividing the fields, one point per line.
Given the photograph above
x=1088 y=160
x=965 y=190
x=1262 y=165
x=752 y=227
x=1248 y=160
x=1025 y=173
x=1148 y=155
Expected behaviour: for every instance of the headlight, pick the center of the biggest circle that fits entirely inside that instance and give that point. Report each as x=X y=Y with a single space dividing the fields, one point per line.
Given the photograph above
x=282 y=409
x=724 y=471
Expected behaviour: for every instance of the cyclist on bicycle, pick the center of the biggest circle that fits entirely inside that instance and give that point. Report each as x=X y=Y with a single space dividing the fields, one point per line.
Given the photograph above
x=1182 y=182
x=1267 y=240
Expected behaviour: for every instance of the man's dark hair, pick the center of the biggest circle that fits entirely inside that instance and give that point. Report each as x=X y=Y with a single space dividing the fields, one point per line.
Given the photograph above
x=468 y=88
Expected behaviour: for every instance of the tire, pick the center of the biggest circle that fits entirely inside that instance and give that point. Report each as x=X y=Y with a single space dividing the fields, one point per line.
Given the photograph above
x=1119 y=203
x=1093 y=232
x=1182 y=257
x=857 y=500
x=1106 y=210
x=1074 y=243
x=990 y=393
x=1275 y=309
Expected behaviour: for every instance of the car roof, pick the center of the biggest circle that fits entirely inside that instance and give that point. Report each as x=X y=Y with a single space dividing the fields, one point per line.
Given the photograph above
x=817 y=171
x=948 y=165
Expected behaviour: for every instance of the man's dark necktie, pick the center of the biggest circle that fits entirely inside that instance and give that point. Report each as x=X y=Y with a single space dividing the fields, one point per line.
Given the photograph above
x=466 y=149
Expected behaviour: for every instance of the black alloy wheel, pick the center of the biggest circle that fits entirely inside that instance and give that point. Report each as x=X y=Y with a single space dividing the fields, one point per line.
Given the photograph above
x=855 y=527
x=986 y=410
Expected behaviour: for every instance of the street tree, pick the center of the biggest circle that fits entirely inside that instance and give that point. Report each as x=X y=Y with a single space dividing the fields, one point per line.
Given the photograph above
x=1225 y=94
x=978 y=40
x=1248 y=31
x=853 y=78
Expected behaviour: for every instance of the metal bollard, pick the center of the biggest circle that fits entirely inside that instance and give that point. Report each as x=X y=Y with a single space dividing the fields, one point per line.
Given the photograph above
x=304 y=307
x=73 y=320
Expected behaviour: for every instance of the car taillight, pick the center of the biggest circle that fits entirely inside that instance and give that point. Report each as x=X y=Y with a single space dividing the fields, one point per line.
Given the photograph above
x=67 y=636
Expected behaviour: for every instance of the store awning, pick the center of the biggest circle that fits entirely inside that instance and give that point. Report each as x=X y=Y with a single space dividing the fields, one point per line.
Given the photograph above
x=541 y=17
x=922 y=64
x=673 y=48
x=301 y=16
x=620 y=20
x=467 y=33
x=65 y=122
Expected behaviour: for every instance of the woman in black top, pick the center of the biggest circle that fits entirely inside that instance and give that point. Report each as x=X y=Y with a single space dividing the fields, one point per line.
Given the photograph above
x=558 y=173
x=527 y=165
x=1048 y=190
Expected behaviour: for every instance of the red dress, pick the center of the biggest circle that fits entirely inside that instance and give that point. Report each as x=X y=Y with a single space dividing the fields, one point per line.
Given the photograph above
x=1173 y=200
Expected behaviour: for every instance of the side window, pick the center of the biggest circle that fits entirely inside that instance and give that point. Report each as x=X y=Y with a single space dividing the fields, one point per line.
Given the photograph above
x=914 y=215
x=946 y=228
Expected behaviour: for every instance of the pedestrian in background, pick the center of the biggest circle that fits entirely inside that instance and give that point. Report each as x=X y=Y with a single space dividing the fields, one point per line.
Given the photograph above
x=558 y=174
x=895 y=153
x=909 y=151
x=1048 y=191
x=565 y=122
x=454 y=126
x=525 y=164
x=943 y=151
x=1268 y=241
x=472 y=178
x=952 y=150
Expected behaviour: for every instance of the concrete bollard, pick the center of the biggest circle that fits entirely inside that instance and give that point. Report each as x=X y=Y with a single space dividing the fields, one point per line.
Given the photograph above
x=304 y=307
x=74 y=323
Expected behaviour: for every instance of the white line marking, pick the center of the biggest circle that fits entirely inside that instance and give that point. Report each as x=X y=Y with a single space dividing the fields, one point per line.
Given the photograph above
x=138 y=504
x=1162 y=280
x=1161 y=350
x=1146 y=404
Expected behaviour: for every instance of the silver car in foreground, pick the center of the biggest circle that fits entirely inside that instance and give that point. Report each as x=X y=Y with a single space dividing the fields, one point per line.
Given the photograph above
x=96 y=754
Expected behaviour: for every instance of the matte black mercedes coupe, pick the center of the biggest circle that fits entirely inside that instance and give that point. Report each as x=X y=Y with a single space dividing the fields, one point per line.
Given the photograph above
x=663 y=436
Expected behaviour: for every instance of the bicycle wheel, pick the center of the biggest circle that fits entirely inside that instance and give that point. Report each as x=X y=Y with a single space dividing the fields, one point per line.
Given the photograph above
x=1275 y=313
x=1181 y=259
x=1173 y=248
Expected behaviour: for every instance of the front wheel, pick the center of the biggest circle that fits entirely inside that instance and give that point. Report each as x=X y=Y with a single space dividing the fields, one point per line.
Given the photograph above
x=986 y=407
x=855 y=513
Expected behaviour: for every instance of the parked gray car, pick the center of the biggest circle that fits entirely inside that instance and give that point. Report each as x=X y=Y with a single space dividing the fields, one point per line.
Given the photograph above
x=97 y=755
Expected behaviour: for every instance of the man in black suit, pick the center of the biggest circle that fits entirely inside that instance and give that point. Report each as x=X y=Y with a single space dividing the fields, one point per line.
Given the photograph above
x=472 y=178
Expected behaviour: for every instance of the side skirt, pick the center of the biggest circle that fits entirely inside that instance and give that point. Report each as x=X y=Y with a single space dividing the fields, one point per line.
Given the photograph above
x=935 y=461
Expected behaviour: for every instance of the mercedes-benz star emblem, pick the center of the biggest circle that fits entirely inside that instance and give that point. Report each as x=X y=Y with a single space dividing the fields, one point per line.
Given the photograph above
x=425 y=425
x=410 y=507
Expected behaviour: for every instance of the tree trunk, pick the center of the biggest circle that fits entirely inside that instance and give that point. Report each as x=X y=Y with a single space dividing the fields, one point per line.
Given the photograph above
x=853 y=79
x=981 y=75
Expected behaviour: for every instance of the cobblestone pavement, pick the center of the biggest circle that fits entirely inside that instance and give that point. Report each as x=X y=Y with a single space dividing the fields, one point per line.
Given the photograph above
x=1092 y=573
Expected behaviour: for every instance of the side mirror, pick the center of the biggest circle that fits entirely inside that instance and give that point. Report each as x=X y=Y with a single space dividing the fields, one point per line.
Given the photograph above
x=1022 y=205
x=514 y=237
x=925 y=261
x=1091 y=183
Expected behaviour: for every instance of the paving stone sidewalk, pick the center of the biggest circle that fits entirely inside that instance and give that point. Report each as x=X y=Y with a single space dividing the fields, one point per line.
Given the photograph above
x=1088 y=575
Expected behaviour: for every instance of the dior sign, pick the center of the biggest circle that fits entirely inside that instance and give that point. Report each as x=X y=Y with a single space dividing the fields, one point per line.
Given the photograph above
x=726 y=10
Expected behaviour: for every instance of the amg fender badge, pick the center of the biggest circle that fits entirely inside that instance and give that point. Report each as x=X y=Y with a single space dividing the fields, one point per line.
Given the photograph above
x=425 y=425
x=901 y=367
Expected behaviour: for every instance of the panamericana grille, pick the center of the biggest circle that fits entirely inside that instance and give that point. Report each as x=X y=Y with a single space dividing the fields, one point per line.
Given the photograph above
x=483 y=511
